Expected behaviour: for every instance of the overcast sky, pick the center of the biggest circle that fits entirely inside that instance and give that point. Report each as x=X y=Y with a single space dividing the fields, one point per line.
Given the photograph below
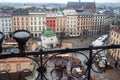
x=58 y=1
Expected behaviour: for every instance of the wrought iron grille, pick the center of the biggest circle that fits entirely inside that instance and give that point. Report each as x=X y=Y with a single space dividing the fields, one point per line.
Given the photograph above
x=80 y=70
x=85 y=71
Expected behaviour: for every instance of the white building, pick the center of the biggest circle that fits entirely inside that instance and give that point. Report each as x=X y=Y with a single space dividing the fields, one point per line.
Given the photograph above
x=37 y=22
x=6 y=24
x=71 y=22
x=99 y=23
x=116 y=11
x=72 y=12
x=49 y=39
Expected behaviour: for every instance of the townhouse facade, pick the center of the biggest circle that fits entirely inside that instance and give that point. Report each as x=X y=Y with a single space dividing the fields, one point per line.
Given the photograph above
x=51 y=20
x=84 y=22
x=60 y=23
x=114 y=38
x=20 y=20
x=71 y=24
x=84 y=26
x=37 y=22
x=114 y=54
x=6 y=24
x=99 y=23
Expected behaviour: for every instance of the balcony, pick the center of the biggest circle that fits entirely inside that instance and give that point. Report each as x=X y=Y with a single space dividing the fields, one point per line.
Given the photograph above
x=56 y=64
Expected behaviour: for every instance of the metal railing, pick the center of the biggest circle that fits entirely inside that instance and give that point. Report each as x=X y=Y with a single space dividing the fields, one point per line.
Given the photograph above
x=80 y=70
x=42 y=66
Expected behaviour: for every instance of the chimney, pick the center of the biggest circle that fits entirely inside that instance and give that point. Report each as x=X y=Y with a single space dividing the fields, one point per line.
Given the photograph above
x=79 y=1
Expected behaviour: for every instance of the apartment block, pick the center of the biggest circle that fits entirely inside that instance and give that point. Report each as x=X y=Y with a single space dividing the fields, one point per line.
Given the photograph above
x=114 y=38
x=60 y=22
x=85 y=20
x=99 y=23
x=37 y=24
x=51 y=20
x=20 y=20
x=71 y=22
x=6 y=24
x=81 y=23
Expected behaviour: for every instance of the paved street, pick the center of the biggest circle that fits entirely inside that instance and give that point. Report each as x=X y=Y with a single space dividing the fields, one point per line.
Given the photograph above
x=79 y=42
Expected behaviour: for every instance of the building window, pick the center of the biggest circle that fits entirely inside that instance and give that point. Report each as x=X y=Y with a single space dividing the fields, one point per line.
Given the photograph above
x=35 y=28
x=8 y=67
x=39 y=22
x=2 y=24
x=34 y=23
x=35 y=35
x=9 y=24
x=31 y=28
x=22 y=23
x=57 y=29
x=31 y=23
x=14 y=28
x=34 y=18
x=10 y=29
x=40 y=28
x=18 y=67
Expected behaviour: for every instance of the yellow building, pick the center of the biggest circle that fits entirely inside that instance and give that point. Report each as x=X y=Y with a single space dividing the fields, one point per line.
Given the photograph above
x=71 y=23
x=114 y=39
x=13 y=65
x=60 y=23
x=99 y=24
x=20 y=20
x=84 y=26
x=84 y=23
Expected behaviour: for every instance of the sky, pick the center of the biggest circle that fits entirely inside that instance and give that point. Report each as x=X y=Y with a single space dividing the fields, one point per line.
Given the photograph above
x=59 y=1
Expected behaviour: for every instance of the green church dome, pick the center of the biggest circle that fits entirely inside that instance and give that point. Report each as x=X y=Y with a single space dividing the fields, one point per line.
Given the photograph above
x=48 y=33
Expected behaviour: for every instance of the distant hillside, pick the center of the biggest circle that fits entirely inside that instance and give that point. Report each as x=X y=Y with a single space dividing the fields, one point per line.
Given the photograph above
x=56 y=4
x=32 y=4
x=108 y=4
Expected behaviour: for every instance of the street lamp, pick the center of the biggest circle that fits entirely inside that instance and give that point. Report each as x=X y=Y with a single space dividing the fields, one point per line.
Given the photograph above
x=21 y=36
x=2 y=36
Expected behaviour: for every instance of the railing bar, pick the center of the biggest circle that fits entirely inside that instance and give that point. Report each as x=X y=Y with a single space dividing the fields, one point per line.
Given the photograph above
x=66 y=50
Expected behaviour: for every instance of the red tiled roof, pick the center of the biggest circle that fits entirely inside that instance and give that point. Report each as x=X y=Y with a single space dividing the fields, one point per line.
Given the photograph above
x=116 y=29
x=5 y=14
x=80 y=5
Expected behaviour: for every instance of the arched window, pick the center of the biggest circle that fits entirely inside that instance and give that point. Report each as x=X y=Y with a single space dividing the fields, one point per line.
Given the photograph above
x=8 y=67
x=18 y=67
